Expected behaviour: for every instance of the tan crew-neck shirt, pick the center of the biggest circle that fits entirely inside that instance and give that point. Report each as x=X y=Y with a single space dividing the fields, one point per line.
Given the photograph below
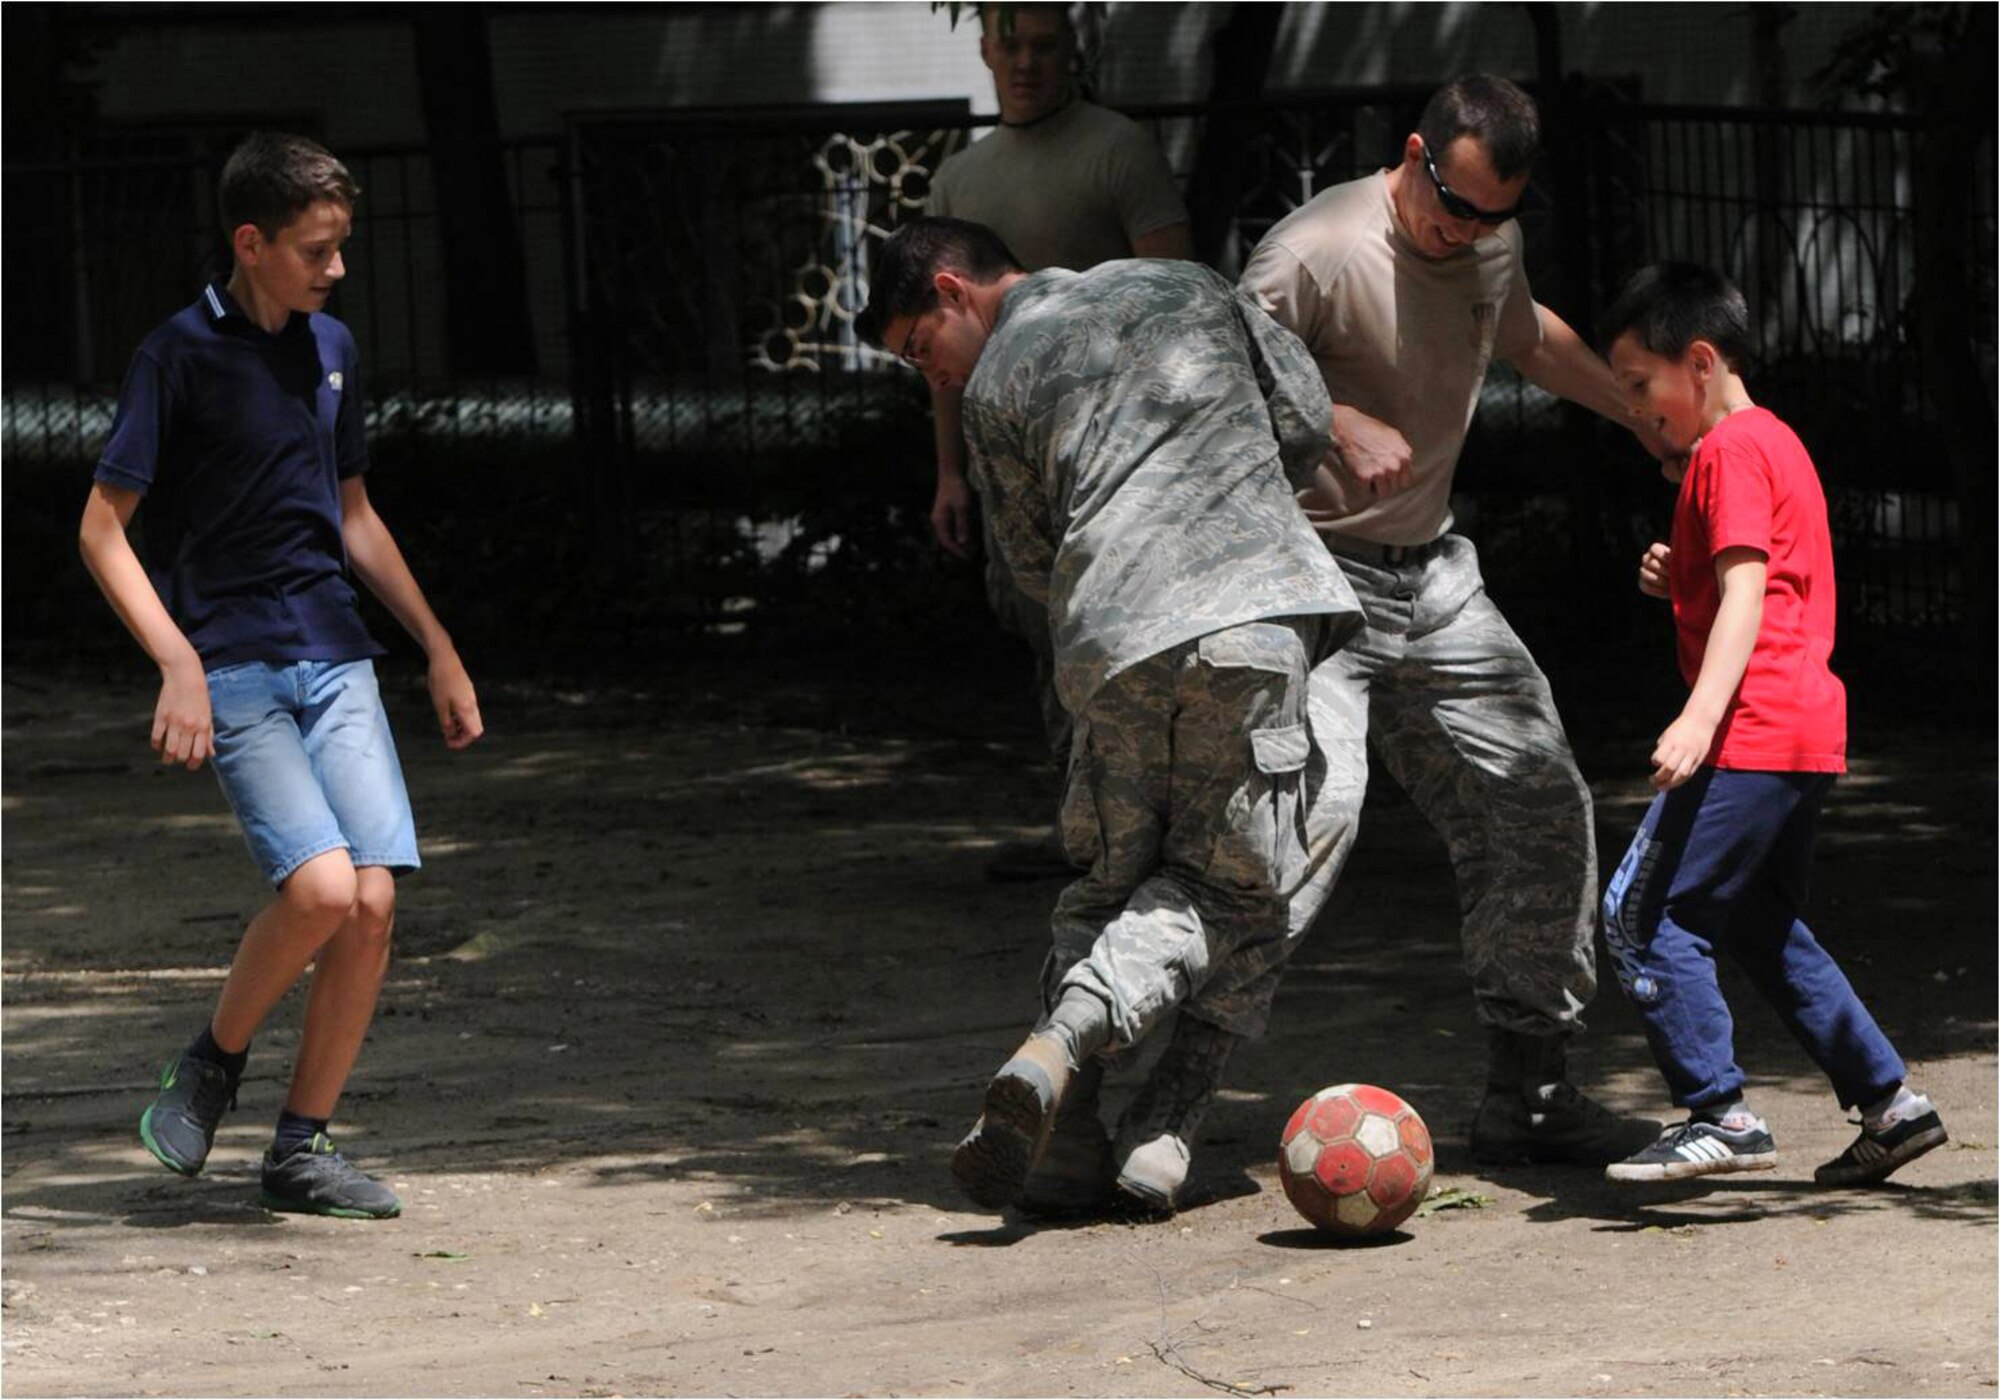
x=1399 y=336
x=1072 y=190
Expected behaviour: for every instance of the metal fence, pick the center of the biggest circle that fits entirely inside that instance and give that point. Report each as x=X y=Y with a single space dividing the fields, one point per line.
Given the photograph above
x=708 y=432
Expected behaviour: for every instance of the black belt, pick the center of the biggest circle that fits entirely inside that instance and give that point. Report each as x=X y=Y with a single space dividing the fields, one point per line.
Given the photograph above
x=1392 y=556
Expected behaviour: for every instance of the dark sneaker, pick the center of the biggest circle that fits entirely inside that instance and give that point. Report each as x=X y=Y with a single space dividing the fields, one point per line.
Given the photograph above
x=992 y=1162
x=1879 y=1151
x=1700 y=1148
x=316 y=1180
x=178 y=1127
x=1555 y=1123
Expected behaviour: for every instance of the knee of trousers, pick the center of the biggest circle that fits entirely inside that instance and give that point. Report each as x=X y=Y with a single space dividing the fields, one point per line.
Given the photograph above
x=1239 y=1004
x=1155 y=955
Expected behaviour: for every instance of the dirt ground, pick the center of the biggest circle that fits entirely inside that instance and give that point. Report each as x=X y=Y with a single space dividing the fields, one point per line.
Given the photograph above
x=696 y=991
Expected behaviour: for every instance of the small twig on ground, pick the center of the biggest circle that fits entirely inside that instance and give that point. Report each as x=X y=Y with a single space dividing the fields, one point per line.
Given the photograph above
x=1293 y=1298
x=1166 y=1349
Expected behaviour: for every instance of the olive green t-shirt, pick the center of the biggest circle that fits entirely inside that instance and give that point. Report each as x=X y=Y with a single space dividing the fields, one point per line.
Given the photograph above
x=1071 y=190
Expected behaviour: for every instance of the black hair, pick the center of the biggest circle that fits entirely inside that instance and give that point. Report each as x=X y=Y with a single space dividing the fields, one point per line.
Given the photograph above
x=901 y=282
x=273 y=177
x=1005 y=14
x=1500 y=116
x=1668 y=306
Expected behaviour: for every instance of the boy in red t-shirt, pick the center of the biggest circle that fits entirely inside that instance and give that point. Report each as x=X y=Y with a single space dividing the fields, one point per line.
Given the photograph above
x=1723 y=854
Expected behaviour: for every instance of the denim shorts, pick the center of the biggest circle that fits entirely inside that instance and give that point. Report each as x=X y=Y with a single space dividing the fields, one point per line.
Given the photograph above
x=303 y=753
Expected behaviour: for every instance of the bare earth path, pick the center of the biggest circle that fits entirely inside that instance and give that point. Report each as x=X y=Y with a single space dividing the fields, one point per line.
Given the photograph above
x=691 y=1002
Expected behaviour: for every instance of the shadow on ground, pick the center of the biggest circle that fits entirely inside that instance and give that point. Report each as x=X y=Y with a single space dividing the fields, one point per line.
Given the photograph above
x=737 y=933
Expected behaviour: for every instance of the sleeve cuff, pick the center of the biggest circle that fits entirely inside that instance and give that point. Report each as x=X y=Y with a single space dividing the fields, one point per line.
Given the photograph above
x=111 y=474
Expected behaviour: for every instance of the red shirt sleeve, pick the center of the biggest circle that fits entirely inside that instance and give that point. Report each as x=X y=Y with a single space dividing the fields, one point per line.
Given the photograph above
x=1734 y=498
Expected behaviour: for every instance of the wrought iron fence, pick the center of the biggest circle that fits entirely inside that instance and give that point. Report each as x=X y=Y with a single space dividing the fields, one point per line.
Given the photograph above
x=706 y=434
x=1820 y=219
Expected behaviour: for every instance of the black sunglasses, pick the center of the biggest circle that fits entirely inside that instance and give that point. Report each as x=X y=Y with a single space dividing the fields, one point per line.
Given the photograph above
x=1458 y=206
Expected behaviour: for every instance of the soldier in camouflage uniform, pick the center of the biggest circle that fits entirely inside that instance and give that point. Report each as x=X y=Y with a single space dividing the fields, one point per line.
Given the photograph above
x=1138 y=431
x=1406 y=284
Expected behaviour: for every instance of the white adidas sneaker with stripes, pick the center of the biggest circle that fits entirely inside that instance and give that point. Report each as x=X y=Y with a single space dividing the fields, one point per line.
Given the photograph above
x=1700 y=1148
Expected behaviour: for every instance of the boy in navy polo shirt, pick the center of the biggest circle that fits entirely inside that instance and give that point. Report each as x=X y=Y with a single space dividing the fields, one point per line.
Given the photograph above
x=241 y=425
x=1723 y=854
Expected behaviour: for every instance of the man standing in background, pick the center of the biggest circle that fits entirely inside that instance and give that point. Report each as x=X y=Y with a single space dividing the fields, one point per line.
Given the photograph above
x=1064 y=183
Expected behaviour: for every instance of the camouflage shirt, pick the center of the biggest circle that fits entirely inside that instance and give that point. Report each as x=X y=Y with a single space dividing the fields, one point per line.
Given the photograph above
x=1137 y=431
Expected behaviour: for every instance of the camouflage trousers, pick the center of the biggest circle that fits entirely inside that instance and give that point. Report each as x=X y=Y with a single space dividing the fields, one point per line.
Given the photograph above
x=1446 y=694
x=1186 y=801
x=1021 y=616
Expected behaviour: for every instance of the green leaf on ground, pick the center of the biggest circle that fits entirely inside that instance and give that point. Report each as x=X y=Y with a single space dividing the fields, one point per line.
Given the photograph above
x=1452 y=1198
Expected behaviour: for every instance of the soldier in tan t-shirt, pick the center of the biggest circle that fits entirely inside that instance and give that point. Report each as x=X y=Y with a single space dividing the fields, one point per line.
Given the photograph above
x=1405 y=285
x=1064 y=183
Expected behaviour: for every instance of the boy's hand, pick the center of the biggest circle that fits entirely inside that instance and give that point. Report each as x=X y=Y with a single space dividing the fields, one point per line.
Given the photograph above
x=1653 y=570
x=453 y=698
x=1680 y=751
x=183 y=725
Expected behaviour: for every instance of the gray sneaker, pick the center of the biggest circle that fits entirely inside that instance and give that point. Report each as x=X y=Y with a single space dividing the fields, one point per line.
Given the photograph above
x=316 y=1180
x=178 y=1127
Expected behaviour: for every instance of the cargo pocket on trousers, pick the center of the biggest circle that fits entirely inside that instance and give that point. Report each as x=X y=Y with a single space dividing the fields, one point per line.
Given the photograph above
x=1263 y=848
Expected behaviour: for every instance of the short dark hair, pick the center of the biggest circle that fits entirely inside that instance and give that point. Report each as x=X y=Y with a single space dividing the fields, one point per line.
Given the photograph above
x=1500 y=116
x=1668 y=306
x=1004 y=16
x=900 y=283
x=272 y=177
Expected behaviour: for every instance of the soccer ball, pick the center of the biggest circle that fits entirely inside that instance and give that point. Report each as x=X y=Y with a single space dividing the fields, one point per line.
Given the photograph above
x=1355 y=1160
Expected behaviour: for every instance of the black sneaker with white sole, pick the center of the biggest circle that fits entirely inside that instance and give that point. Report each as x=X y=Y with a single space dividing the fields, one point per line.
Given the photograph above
x=314 y=1179
x=1880 y=1150
x=1699 y=1148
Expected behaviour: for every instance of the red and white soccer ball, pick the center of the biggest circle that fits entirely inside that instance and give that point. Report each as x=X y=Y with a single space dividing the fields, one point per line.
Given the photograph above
x=1355 y=1160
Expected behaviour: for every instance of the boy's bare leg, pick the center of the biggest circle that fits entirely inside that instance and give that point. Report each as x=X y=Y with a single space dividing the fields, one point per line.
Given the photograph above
x=312 y=906
x=341 y=1004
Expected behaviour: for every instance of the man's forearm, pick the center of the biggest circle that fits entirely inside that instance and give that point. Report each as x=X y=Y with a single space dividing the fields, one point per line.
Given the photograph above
x=948 y=428
x=1564 y=366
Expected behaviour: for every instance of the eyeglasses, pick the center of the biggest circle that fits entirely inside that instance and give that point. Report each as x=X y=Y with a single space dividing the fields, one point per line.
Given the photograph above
x=914 y=360
x=1458 y=206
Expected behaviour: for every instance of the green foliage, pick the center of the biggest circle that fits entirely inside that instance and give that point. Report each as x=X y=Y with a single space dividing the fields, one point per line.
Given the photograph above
x=957 y=9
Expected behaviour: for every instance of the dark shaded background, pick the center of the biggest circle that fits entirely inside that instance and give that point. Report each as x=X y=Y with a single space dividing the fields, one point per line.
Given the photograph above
x=702 y=467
